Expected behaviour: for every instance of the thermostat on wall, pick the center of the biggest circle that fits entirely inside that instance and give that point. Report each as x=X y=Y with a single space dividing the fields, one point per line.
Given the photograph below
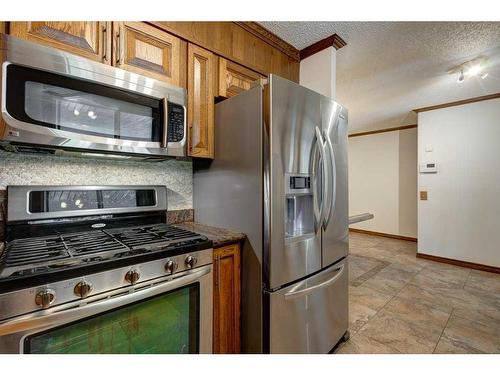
x=429 y=167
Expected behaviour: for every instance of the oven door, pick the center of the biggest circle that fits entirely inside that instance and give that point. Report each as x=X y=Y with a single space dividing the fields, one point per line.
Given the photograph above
x=169 y=316
x=310 y=316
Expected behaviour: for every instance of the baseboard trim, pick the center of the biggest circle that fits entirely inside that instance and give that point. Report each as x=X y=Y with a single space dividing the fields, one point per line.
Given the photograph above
x=395 y=236
x=460 y=263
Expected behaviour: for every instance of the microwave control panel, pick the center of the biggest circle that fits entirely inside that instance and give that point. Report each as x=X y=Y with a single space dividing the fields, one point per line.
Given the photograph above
x=176 y=120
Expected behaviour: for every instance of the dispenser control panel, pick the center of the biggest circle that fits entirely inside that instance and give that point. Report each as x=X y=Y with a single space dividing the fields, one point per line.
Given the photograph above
x=298 y=183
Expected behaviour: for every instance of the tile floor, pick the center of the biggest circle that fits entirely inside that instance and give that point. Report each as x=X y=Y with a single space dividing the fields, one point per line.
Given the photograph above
x=402 y=304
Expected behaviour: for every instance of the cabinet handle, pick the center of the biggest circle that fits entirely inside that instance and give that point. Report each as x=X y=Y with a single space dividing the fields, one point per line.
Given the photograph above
x=118 y=47
x=104 y=43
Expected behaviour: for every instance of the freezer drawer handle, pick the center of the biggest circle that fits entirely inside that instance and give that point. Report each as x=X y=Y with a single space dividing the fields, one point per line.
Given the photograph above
x=292 y=294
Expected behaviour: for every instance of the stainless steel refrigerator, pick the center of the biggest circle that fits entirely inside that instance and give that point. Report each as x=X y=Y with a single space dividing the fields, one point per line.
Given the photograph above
x=280 y=176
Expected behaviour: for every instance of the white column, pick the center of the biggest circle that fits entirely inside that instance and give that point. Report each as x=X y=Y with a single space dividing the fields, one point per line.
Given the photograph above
x=317 y=72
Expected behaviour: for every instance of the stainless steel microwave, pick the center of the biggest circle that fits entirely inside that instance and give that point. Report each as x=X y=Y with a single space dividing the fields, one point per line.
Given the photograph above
x=56 y=102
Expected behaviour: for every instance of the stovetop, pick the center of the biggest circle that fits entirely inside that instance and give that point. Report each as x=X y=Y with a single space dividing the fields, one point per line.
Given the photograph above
x=70 y=254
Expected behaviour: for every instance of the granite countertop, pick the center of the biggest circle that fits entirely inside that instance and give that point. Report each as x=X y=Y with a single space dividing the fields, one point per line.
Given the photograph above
x=219 y=236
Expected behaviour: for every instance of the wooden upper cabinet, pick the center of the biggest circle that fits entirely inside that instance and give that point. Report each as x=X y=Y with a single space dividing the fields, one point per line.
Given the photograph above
x=201 y=75
x=234 y=78
x=227 y=297
x=144 y=49
x=88 y=39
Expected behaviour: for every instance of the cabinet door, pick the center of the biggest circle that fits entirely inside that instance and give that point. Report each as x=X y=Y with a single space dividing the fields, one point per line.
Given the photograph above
x=227 y=299
x=143 y=49
x=234 y=78
x=201 y=72
x=88 y=39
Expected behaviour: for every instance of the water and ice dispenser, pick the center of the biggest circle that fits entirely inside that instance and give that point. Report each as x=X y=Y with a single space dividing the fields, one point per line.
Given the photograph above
x=299 y=205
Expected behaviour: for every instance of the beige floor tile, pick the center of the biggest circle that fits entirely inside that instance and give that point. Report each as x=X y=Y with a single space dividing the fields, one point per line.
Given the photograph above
x=425 y=296
x=400 y=335
x=418 y=313
x=465 y=333
x=448 y=346
x=486 y=281
x=480 y=313
x=361 y=344
x=368 y=297
x=359 y=315
x=444 y=277
x=432 y=279
x=391 y=279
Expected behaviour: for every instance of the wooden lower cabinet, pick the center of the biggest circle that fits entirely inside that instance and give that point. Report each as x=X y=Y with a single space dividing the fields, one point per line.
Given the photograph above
x=200 y=88
x=88 y=38
x=227 y=297
x=234 y=78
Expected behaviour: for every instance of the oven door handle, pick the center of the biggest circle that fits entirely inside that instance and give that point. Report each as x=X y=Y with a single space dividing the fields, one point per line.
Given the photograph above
x=47 y=318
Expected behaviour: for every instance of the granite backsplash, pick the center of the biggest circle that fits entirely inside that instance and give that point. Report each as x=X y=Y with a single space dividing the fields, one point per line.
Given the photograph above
x=24 y=169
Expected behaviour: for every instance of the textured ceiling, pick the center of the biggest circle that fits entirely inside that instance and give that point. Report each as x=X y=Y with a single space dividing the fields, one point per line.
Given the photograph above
x=389 y=68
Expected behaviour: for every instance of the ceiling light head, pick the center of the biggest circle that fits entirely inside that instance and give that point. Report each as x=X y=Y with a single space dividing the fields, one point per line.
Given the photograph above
x=471 y=68
x=474 y=70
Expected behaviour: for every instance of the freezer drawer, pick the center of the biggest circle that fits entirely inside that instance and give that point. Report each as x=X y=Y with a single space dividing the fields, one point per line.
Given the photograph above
x=312 y=315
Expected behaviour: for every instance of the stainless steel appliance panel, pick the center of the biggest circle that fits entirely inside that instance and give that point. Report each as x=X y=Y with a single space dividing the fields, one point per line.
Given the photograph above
x=13 y=331
x=336 y=212
x=46 y=59
x=228 y=192
x=294 y=119
x=310 y=316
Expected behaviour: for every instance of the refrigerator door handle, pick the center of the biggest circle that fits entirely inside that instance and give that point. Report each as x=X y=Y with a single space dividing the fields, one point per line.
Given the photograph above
x=297 y=292
x=318 y=208
x=330 y=183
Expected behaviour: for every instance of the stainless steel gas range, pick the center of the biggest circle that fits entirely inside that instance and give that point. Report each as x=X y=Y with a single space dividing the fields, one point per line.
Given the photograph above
x=96 y=269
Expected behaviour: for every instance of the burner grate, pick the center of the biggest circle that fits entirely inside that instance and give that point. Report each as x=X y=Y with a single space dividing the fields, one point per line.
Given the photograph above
x=30 y=250
x=92 y=242
x=153 y=235
x=74 y=247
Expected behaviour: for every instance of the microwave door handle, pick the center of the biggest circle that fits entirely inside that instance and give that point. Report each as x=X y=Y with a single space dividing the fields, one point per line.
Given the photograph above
x=330 y=183
x=164 y=141
x=53 y=316
x=296 y=292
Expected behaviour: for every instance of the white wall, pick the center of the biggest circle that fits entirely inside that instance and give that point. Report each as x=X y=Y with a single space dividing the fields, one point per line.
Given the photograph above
x=317 y=72
x=383 y=181
x=461 y=218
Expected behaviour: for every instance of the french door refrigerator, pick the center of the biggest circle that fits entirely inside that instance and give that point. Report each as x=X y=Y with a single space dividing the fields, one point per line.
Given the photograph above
x=280 y=177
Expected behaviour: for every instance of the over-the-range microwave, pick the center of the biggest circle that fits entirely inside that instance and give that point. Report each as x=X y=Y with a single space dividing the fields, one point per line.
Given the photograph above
x=56 y=102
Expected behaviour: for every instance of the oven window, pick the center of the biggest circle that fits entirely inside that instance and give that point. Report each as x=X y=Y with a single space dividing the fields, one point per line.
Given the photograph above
x=78 y=106
x=168 y=323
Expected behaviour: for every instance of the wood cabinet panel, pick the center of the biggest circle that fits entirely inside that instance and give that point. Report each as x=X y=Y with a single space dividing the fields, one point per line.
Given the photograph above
x=201 y=74
x=227 y=297
x=234 y=78
x=144 y=49
x=231 y=41
x=89 y=39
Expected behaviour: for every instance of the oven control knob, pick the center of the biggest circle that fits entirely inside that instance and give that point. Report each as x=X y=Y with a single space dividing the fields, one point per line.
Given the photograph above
x=45 y=298
x=132 y=276
x=83 y=289
x=171 y=266
x=191 y=261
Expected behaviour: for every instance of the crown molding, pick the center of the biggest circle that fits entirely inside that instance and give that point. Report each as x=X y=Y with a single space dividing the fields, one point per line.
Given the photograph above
x=404 y=127
x=334 y=41
x=271 y=39
x=458 y=102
